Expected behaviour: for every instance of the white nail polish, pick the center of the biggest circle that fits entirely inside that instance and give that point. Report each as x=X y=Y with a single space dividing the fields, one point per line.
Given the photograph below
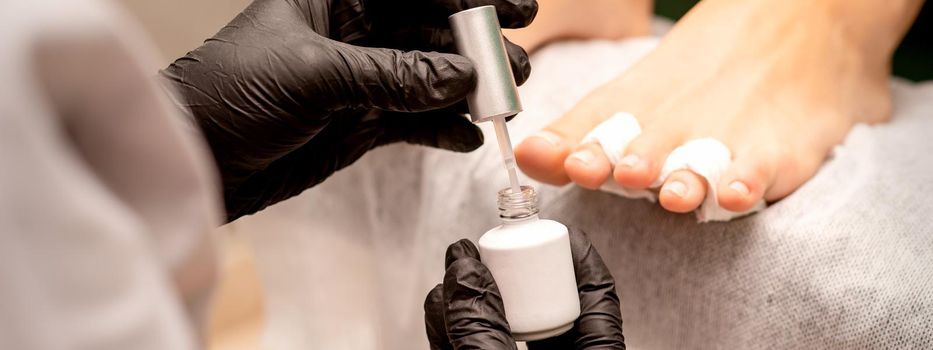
x=549 y=137
x=630 y=160
x=585 y=156
x=739 y=187
x=531 y=261
x=678 y=188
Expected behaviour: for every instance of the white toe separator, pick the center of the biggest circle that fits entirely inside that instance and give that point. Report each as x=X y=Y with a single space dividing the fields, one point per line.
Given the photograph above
x=706 y=157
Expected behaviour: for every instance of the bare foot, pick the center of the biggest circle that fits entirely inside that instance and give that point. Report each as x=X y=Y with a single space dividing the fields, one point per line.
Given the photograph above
x=584 y=19
x=779 y=82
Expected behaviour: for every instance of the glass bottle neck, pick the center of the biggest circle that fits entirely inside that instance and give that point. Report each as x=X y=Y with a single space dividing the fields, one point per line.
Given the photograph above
x=523 y=220
x=518 y=207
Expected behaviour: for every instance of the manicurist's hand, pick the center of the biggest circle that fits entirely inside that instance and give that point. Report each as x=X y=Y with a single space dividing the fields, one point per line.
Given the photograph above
x=293 y=90
x=466 y=311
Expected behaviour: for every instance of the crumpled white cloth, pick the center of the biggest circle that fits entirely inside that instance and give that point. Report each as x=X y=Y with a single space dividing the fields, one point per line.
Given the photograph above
x=706 y=157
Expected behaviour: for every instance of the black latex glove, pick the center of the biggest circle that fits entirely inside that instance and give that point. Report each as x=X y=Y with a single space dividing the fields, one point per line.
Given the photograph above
x=466 y=311
x=284 y=101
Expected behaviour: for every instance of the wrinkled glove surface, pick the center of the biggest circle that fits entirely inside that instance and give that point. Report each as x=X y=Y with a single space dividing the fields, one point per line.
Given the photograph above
x=291 y=91
x=466 y=311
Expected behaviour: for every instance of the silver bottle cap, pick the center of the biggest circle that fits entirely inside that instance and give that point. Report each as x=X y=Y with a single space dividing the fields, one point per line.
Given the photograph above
x=478 y=37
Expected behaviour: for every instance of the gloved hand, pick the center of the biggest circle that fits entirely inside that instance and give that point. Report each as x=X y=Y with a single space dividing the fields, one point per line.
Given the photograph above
x=466 y=311
x=285 y=100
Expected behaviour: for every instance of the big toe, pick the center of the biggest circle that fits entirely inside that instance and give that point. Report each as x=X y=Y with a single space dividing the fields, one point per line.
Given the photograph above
x=541 y=156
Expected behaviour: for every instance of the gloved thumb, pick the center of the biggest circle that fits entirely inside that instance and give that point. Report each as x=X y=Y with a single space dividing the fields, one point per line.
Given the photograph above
x=474 y=314
x=412 y=81
x=443 y=129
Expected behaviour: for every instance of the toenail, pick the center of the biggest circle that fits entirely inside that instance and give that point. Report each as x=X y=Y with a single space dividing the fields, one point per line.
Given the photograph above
x=677 y=188
x=549 y=137
x=739 y=187
x=630 y=160
x=585 y=156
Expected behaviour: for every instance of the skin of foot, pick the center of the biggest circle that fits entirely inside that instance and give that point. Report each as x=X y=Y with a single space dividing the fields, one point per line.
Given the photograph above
x=779 y=82
x=584 y=19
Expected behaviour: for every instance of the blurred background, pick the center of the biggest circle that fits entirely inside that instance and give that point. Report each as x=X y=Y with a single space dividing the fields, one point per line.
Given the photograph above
x=177 y=26
x=912 y=60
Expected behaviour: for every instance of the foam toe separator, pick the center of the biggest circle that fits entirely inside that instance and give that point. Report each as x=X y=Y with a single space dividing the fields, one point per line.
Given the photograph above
x=706 y=157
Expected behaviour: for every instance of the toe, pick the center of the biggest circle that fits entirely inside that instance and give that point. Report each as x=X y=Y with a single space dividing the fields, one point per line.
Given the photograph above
x=682 y=192
x=745 y=182
x=541 y=156
x=588 y=166
x=643 y=158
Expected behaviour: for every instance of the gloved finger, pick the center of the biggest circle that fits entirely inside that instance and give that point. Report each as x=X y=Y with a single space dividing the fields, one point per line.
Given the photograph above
x=512 y=13
x=348 y=136
x=415 y=37
x=600 y=323
x=412 y=81
x=518 y=59
x=441 y=39
x=443 y=129
x=462 y=108
x=475 y=316
x=462 y=249
x=337 y=19
x=434 y=319
x=348 y=20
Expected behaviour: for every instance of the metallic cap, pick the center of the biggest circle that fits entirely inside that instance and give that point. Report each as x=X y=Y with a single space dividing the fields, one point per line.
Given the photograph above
x=479 y=38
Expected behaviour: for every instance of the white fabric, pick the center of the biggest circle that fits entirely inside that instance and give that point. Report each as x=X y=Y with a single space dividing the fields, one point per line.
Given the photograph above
x=706 y=157
x=106 y=201
x=846 y=262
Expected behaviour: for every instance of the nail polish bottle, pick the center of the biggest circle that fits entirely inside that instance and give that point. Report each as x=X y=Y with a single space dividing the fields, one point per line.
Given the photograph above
x=531 y=262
